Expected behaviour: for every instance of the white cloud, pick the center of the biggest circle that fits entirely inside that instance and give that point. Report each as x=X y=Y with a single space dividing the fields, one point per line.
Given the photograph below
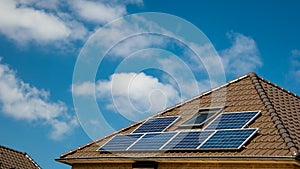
x=295 y=64
x=242 y=57
x=129 y=36
x=295 y=53
x=86 y=88
x=45 y=4
x=22 y=101
x=135 y=95
x=98 y=12
x=25 y=21
x=23 y=24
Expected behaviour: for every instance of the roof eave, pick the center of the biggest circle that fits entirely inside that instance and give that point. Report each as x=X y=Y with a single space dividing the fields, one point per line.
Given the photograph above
x=184 y=159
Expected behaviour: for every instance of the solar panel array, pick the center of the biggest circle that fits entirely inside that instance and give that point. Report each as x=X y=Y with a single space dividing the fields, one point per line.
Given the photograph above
x=156 y=124
x=217 y=135
x=234 y=120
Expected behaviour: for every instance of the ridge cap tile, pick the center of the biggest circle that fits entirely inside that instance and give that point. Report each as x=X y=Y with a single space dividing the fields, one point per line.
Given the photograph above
x=274 y=116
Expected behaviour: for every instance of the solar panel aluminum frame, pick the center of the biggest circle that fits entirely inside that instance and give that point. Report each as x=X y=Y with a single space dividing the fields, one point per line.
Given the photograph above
x=178 y=117
x=135 y=141
x=128 y=149
x=249 y=121
x=169 y=141
x=241 y=145
x=196 y=114
x=142 y=134
x=214 y=131
x=188 y=149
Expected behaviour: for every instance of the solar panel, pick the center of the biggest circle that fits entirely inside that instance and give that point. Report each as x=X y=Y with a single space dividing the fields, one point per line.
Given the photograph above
x=187 y=140
x=232 y=120
x=120 y=142
x=152 y=141
x=156 y=124
x=228 y=139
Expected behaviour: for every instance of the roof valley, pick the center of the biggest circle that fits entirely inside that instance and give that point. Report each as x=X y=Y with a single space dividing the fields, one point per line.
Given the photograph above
x=274 y=116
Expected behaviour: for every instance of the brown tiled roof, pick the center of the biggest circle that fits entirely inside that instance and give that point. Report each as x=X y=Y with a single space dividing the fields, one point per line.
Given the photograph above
x=10 y=158
x=278 y=135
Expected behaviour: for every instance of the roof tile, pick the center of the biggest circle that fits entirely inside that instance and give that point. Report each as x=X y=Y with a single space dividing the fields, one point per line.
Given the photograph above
x=10 y=158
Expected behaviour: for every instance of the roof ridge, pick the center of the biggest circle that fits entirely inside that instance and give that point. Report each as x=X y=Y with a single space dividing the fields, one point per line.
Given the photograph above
x=274 y=116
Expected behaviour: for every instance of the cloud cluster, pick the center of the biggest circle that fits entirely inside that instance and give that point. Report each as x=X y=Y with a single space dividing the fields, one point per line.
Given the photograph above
x=97 y=12
x=25 y=23
x=25 y=102
x=134 y=95
x=242 y=57
x=56 y=20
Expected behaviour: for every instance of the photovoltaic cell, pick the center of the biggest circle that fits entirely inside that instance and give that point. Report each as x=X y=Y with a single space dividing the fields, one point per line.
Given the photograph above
x=187 y=140
x=120 y=142
x=231 y=120
x=156 y=124
x=152 y=141
x=228 y=139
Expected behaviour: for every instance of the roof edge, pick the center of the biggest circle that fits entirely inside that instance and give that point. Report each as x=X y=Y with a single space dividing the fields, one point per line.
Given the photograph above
x=24 y=154
x=274 y=116
x=246 y=159
x=31 y=159
x=280 y=88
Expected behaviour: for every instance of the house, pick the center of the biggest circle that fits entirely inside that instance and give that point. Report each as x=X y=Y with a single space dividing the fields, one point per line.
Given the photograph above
x=247 y=123
x=12 y=159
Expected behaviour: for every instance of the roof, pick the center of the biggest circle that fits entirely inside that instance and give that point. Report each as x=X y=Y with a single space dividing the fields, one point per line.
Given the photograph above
x=10 y=158
x=278 y=136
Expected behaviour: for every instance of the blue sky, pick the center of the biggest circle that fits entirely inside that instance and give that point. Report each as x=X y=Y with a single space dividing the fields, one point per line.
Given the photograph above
x=40 y=42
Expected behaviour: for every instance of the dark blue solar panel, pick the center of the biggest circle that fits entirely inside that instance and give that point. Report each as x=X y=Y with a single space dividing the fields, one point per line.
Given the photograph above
x=188 y=140
x=155 y=124
x=120 y=142
x=228 y=139
x=199 y=119
x=152 y=141
x=231 y=120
